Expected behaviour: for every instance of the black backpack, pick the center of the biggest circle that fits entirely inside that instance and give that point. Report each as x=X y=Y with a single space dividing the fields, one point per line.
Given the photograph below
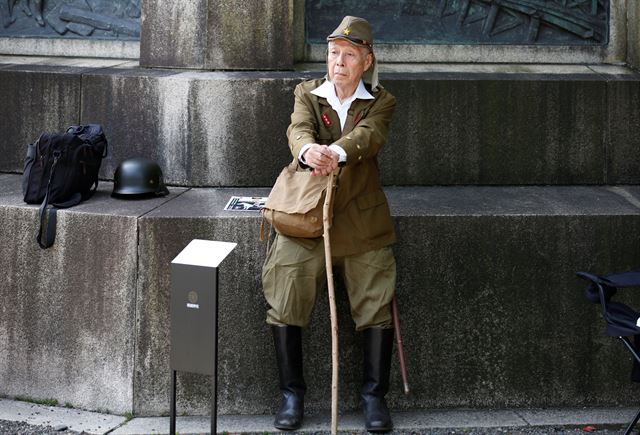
x=61 y=169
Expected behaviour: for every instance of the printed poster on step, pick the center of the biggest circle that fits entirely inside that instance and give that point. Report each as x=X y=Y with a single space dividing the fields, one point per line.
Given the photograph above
x=245 y=203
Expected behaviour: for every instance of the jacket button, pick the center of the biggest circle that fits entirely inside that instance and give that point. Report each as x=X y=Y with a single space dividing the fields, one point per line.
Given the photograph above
x=349 y=137
x=359 y=157
x=298 y=137
x=358 y=146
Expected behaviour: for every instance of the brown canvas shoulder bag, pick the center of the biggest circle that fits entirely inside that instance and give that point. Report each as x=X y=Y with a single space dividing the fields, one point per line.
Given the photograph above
x=294 y=206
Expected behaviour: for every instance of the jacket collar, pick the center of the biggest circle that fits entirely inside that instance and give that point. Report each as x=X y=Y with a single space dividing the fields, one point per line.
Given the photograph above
x=327 y=90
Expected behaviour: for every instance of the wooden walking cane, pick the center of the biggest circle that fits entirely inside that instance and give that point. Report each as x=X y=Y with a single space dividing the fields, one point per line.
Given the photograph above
x=396 y=326
x=326 y=220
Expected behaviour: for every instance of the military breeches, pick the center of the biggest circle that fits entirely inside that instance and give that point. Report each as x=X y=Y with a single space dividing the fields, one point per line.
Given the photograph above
x=293 y=274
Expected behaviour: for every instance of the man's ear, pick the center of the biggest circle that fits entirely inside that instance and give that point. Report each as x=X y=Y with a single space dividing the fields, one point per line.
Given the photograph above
x=368 y=61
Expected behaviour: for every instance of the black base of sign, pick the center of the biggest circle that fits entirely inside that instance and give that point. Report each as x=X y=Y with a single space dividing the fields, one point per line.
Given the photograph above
x=214 y=404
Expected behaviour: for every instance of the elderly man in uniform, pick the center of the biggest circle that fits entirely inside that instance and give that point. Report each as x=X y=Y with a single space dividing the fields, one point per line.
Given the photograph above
x=342 y=121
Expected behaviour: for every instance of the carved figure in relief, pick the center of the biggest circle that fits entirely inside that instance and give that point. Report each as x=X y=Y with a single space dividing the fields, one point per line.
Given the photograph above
x=7 y=7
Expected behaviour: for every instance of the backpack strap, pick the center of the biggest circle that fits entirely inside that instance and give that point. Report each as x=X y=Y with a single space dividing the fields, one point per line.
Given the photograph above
x=50 y=232
x=50 y=210
x=51 y=222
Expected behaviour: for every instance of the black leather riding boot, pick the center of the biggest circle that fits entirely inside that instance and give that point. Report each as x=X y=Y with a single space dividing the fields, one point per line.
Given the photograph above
x=288 y=342
x=378 y=344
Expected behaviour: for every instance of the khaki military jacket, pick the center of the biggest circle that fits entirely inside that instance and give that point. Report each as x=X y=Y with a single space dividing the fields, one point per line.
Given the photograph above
x=361 y=220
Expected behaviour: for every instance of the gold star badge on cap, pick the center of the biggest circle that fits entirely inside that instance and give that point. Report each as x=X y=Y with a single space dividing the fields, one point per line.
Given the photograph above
x=346 y=31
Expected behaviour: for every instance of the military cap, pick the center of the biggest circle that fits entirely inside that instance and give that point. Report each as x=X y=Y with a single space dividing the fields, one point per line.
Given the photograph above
x=358 y=31
x=355 y=30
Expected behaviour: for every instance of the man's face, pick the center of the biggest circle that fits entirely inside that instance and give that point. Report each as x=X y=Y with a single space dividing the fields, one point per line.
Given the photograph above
x=347 y=63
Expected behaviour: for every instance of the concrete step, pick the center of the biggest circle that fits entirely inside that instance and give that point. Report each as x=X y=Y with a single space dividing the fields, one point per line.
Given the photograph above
x=455 y=124
x=492 y=313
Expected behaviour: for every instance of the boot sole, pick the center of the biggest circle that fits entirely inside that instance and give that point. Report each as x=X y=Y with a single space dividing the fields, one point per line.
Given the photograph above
x=281 y=427
x=379 y=429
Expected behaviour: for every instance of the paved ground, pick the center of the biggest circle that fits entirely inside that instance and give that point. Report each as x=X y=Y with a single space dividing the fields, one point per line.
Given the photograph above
x=20 y=428
x=24 y=418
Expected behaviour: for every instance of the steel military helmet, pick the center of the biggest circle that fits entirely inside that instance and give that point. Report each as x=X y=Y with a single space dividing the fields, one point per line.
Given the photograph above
x=138 y=177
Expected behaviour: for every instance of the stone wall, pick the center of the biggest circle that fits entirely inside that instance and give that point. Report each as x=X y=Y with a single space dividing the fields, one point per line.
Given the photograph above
x=553 y=125
x=492 y=313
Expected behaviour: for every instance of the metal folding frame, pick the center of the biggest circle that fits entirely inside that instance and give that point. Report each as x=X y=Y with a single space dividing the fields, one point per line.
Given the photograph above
x=596 y=280
x=633 y=351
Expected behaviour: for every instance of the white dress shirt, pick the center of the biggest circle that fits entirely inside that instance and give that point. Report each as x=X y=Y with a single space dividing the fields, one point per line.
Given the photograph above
x=328 y=91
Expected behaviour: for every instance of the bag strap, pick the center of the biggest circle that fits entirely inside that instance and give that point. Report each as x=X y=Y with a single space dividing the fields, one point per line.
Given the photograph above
x=50 y=212
x=106 y=148
x=50 y=232
x=51 y=222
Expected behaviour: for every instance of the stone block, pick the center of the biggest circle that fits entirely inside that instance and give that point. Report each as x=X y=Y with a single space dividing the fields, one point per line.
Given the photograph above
x=127 y=103
x=97 y=48
x=250 y=35
x=492 y=313
x=218 y=35
x=471 y=126
x=67 y=314
x=11 y=189
x=551 y=128
x=507 y=125
x=497 y=317
x=633 y=29
x=468 y=128
x=240 y=300
x=631 y=193
x=171 y=33
x=623 y=140
x=204 y=129
x=37 y=98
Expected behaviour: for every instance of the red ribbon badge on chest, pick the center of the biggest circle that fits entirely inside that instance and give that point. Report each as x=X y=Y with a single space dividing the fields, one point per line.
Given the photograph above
x=326 y=120
x=358 y=118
